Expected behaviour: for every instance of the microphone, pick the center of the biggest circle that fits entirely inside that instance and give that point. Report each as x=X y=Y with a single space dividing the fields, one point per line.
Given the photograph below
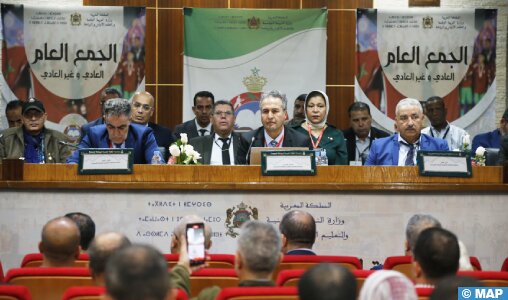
x=67 y=144
x=248 y=150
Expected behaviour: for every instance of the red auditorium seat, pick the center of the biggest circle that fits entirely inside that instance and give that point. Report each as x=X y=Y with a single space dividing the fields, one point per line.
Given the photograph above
x=292 y=277
x=258 y=293
x=218 y=261
x=504 y=267
x=424 y=293
x=33 y=260
x=96 y=292
x=403 y=264
x=304 y=262
x=14 y=292
x=204 y=278
x=488 y=278
x=1 y=273
x=48 y=283
x=84 y=293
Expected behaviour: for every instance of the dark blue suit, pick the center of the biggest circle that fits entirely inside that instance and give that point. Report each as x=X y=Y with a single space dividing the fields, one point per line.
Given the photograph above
x=86 y=128
x=140 y=138
x=301 y=251
x=385 y=151
x=490 y=139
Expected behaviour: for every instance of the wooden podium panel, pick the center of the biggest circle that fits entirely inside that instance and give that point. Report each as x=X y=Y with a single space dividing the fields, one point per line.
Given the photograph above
x=328 y=178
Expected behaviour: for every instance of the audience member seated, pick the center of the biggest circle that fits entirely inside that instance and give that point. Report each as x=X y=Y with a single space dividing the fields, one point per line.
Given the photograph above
x=59 y=243
x=200 y=125
x=298 y=111
x=492 y=139
x=108 y=93
x=101 y=249
x=118 y=132
x=86 y=228
x=138 y=272
x=13 y=113
x=219 y=148
x=322 y=135
x=436 y=255
x=257 y=256
x=179 y=231
x=400 y=149
x=33 y=141
x=419 y=222
x=141 y=111
x=361 y=133
x=273 y=133
x=435 y=111
x=298 y=233
x=447 y=288
x=387 y=285
x=416 y=224
x=327 y=281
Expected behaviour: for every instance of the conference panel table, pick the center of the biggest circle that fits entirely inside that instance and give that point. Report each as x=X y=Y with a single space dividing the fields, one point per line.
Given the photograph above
x=359 y=211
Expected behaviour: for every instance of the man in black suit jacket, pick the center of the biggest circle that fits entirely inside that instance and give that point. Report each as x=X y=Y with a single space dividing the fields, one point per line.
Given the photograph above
x=108 y=93
x=273 y=106
x=360 y=121
x=221 y=147
x=200 y=125
x=142 y=108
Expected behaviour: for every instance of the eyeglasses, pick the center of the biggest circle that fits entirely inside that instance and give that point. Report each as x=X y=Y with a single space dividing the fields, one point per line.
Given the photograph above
x=220 y=113
x=145 y=107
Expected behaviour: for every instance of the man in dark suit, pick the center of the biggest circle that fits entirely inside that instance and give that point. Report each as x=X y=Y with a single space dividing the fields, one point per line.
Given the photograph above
x=108 y=93
x=221 y=147
x=118 y=132
x=200 y=125
x=400 y=149
x=492 y=139
x=142 y=108
x=273 y=133
x=298 y=231
x=360 y=135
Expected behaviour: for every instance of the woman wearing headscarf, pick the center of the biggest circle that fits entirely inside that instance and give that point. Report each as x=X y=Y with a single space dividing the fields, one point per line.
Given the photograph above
x=387 y=285
x=322 y=134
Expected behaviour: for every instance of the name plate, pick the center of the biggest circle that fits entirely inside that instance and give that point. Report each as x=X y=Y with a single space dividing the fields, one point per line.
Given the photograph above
x=282 y=163
x=444 y=163
x=105 y=161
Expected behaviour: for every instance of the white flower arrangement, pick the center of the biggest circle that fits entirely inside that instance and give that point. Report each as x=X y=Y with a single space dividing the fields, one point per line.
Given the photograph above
x=479 y=157
x=182 y=153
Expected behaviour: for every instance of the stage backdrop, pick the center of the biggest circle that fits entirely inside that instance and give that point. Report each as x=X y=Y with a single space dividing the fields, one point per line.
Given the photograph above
x=419 y=53
x=65 y=57
x=238 y=53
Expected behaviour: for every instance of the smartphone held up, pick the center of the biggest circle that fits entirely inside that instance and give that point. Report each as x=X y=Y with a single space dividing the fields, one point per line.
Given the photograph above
x=195 y=234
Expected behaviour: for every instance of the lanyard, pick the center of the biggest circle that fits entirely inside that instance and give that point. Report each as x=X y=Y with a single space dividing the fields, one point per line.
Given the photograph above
x=278 y=144
x=314 y=146
x=445 y=134
x=42 y=158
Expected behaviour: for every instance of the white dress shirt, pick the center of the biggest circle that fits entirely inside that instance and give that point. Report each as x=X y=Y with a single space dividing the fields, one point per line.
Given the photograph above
x=216 y=157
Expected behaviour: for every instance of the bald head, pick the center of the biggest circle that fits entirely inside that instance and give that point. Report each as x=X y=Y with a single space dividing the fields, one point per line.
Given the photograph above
x=142 y=107
x=59 y=242
x=101 y=249
x=299 y=230
x=180 y=230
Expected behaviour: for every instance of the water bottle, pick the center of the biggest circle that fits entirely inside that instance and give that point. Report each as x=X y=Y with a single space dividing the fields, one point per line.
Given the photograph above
x=156 y=158
x=324 y=158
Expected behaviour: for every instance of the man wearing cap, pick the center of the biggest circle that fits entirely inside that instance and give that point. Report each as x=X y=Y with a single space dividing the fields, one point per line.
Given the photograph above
x=33 y=142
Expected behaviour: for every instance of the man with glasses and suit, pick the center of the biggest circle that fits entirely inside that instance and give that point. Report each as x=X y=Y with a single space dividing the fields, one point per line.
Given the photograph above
x=221 y=147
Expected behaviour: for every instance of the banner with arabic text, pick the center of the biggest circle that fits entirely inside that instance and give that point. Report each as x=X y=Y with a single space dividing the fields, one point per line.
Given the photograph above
x=66 y=57
x=420 y=53
x=239 y=53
